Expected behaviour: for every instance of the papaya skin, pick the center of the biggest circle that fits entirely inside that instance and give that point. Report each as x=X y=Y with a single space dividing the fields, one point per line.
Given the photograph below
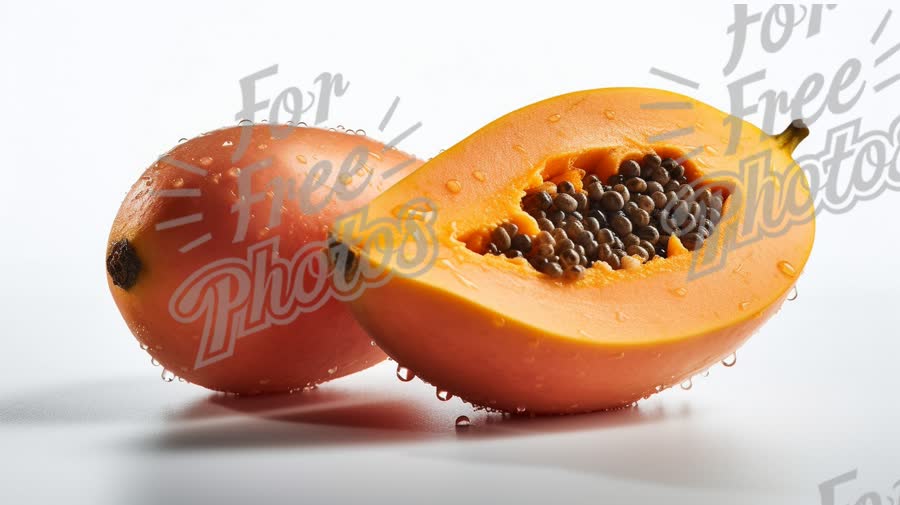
x=145 y=266
x=499 y=334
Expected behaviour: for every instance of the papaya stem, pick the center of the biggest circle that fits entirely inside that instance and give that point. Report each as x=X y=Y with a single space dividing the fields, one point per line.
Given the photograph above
x=123 y=264
x=791 y=137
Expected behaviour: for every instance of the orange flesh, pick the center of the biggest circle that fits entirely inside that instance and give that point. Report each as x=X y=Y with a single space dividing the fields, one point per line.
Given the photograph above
x=498 y=333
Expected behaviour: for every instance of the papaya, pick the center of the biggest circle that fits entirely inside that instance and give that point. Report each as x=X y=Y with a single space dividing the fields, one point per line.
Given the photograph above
x=589 y=251
x=216 y=259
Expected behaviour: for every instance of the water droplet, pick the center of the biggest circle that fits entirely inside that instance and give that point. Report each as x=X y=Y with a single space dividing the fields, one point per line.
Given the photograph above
x=262 y=146
x=454 y=186
x=206 y=161
x=263 y=382
x=520 y=409
x=705 y=373
x=227 y=143
x=340 y=127
x=520 y=148
x=620 y=316
x=245 y=122
x=793 y=295
x=442 y=395
x=182 y=140
x=167 y=376
x=332 y=370
x=177 y=183
x=462 y=422
x=361 y=132
x=744 y=305
x=711 y=150
x=154 y=362
x=479 y=175
x=609 y=114
x=144 y=347
x=554 y=118
x=234 y=171
x=372 y=343
x=682 y=291
x=405 y=374
x=787 y=269
x=730 y=360
x=215 y=178
x=688 y=384
x=301 y=124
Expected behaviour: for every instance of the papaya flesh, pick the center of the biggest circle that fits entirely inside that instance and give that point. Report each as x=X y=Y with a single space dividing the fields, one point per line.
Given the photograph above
x=499 y=334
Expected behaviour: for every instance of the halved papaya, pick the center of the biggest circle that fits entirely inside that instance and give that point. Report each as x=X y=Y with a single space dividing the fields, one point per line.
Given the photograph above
x=497 y=332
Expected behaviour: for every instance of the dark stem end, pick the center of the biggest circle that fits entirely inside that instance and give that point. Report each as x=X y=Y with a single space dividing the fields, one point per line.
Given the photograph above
x=123 y=264
x=791 y=137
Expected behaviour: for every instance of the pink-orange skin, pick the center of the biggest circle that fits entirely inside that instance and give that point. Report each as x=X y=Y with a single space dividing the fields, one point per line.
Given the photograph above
x=318 y=346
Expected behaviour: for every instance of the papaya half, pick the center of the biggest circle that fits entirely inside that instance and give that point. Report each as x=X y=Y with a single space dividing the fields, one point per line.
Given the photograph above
x=633 y=310
x=217 y=257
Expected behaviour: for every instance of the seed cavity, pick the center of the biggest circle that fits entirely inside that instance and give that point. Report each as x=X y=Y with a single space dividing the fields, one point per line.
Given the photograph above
x=621 y=222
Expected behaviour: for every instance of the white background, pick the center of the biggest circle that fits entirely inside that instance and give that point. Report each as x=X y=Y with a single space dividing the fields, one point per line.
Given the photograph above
x=92 y=93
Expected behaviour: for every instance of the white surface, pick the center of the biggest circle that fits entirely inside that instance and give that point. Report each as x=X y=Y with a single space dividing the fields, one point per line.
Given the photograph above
x=92 y=93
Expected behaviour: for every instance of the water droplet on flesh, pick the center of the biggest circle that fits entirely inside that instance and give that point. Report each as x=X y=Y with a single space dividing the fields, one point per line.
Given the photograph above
x=227 y=143
x=787 y=269
x=442 y=395
x=206 y=161
x=730 y=360
x=454 y=186
x=462 y=422
x=479 y=175
x=167 y=375
x=405 y=374
x=682 y=291
x=793 y=295
x=687 y=385
x=554 y=118
x=332 y=370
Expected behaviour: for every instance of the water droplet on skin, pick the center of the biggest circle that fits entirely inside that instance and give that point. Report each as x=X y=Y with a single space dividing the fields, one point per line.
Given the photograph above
x=454 y=186
x=442 y=395
x=405 y=374
x=730 y=360
x=372 y=343
x=519 y=148
x=687 y=385
x=332 y=370
x=215 y=178
x=144 y=347
x=244 y=122
x=361 y=132
x=177 y=183
x=554 y=118
x=793 y=295
x=744 y=305
x=262 y=146
x=375 y=156
x=227 y=143
x=479 y=175
x=520 y=409
x=706 y=373
x=682 y=291
x=205 y=161
x=167 y=376
x=787 y=269
x=620 y=316
x=711 y=150
x=301 y=124
x=340 y=127
x=263 y=382
x=609 y=114
x=499 y=321
x=182 y=140
x=154 y=362
x=234 y=171
x=462 y=422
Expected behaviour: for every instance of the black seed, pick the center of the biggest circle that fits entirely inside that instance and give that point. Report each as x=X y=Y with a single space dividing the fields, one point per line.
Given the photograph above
x=677 y=172
x=659 y=199
x=510 y=228
x=513 y=253
x=685 y=192
x=592 y=224
x=566 y=187
x=537 y=214
x=556 y=216
x=648 y=234
x=616 y=179
x=653 y=187
x=543 y=200
x=565 y=202
x=581 y=200
x=521 y=243
x=573 y=227
x=599 y=216
x=584 y=238
x=545 y=224
x=714 y=215
x=671 y=186
x=636 y=250
x=564 y=244
x=669 y=163
x=703 y=232
x=559 y=234
x=630 y=208
x=568 y=258
x=620 y=224
x=716 y=202
x=574 y=273
x=545 y=237
x=640 y=218
x=543 y=250
x=605 y=236
x=629 y=169
x=636 y=185
x=704 y=196
x=576 y=215
x=614 y=261
x=661 y=175
x=652 y=160
x=552 y=269
x=492 y=249
x=649 y=248
x=595 y=191
x=604 y=251
x=539 y=263
x=645 y=203
x=621 y=189
x=692 y=241
x=630 y=240
x=501 y=239
x=612 y=201
x=589 y=179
